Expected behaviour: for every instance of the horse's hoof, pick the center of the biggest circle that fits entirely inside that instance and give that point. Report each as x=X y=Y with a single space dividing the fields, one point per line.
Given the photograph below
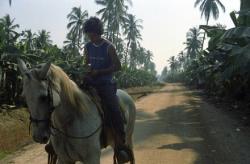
x=122 y=157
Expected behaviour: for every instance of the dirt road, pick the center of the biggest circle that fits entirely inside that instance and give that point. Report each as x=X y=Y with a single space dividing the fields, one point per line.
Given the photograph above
x=174 y=126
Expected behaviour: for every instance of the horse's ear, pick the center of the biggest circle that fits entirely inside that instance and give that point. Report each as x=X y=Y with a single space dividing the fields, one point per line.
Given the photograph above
x=44 y=71
x=22 y=66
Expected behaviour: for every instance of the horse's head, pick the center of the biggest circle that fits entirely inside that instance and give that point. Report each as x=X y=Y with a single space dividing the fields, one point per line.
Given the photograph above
x=39 y=98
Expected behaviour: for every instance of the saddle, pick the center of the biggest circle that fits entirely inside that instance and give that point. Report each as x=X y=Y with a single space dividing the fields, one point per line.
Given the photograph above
x=92 y=93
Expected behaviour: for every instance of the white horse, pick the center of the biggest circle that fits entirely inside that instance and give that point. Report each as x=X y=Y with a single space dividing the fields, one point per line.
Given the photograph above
x=55 y=101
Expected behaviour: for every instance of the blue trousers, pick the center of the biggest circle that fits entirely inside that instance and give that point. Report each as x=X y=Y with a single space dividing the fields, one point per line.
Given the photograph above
x=113 y=115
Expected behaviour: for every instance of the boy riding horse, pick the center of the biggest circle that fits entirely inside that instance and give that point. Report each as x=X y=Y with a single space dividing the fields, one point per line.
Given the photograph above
x=102 y=58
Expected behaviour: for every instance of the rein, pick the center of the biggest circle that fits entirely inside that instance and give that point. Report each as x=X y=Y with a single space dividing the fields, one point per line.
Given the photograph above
x=77 y=137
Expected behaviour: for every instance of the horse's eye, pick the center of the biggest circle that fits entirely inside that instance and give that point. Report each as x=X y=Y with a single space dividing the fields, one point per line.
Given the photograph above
x=43 y=98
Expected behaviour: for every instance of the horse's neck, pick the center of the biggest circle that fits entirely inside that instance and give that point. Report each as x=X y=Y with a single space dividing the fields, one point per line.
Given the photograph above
x=67 y=117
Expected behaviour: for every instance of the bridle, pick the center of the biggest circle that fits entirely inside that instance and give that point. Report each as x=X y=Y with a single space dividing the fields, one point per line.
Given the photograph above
x=49 y=122
x=51 y=108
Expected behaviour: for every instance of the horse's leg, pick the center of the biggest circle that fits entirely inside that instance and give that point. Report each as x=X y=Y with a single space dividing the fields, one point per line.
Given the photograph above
x=130 y=145
x=93 y=159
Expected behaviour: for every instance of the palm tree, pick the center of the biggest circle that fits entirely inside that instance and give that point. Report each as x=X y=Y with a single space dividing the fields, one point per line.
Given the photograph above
x=1 y=36
x=133 y=57
x=70 y=46
x=70 y=42
x=107 y=14
x=140 y=57
x=181 y=59
x=113 y=15
x=151 y=68
x=43 y=39
x=148 y=60
x=9 y=28
x=164 y=73
x=28 y=40
x=208 y=7
x=173 y=64
x=193 y=43
x=120 y=47
x=132 y=29
x=77 y=17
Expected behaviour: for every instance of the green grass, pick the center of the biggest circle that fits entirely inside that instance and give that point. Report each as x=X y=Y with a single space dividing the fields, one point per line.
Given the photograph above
x=3 y=154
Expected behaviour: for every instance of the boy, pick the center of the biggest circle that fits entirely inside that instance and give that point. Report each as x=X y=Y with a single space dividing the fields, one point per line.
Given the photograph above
x=102 y=58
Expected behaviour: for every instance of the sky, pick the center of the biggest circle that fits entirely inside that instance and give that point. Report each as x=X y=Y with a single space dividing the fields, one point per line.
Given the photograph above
x=165 y=22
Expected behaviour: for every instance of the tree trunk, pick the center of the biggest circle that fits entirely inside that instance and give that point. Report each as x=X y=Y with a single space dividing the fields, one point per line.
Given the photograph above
x=2 y=79
x=128 y=46
x=126 y=60
x=204 y=37
x=244 y=20
x=245 y=5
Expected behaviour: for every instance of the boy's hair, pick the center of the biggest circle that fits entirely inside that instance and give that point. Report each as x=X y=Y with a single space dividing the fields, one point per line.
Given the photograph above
x=93 y=25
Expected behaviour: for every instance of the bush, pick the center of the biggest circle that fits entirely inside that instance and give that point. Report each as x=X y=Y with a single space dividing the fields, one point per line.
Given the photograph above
x=134 y=77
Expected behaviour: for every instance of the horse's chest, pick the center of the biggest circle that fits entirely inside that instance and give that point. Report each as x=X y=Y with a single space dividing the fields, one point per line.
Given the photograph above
x=70 y=149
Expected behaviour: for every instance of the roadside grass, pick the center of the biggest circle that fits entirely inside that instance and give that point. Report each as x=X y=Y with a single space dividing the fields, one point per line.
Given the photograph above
x=14 y=131
x=3 y=154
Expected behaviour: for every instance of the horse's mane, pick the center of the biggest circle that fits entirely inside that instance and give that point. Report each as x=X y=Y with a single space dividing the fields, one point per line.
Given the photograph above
x=61 y=82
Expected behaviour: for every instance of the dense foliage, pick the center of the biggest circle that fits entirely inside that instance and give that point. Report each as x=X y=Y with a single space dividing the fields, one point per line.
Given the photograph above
x=38 y=47
x=223 y=68
x=134 y=77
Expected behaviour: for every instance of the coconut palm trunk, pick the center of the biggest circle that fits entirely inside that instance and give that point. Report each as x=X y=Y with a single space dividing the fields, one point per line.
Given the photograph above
x=245 y=5
x=126 y=54
x=204 y=36
x=128 y=44
x=244 y=20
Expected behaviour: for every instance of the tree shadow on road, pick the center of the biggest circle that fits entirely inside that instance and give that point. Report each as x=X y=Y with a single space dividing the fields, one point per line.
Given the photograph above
x=183 y=121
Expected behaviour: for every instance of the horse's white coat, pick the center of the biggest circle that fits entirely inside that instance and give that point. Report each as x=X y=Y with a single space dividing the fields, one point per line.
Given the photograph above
x=74 y=122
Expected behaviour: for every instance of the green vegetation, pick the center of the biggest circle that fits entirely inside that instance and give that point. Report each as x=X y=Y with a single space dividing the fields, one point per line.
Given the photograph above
x=121 y=27
x=223 y=68
x=3 y=154
x=13 y=130
x=134 y=77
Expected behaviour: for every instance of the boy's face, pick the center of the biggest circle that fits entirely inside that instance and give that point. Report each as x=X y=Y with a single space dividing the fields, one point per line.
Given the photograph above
x=93 y=37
